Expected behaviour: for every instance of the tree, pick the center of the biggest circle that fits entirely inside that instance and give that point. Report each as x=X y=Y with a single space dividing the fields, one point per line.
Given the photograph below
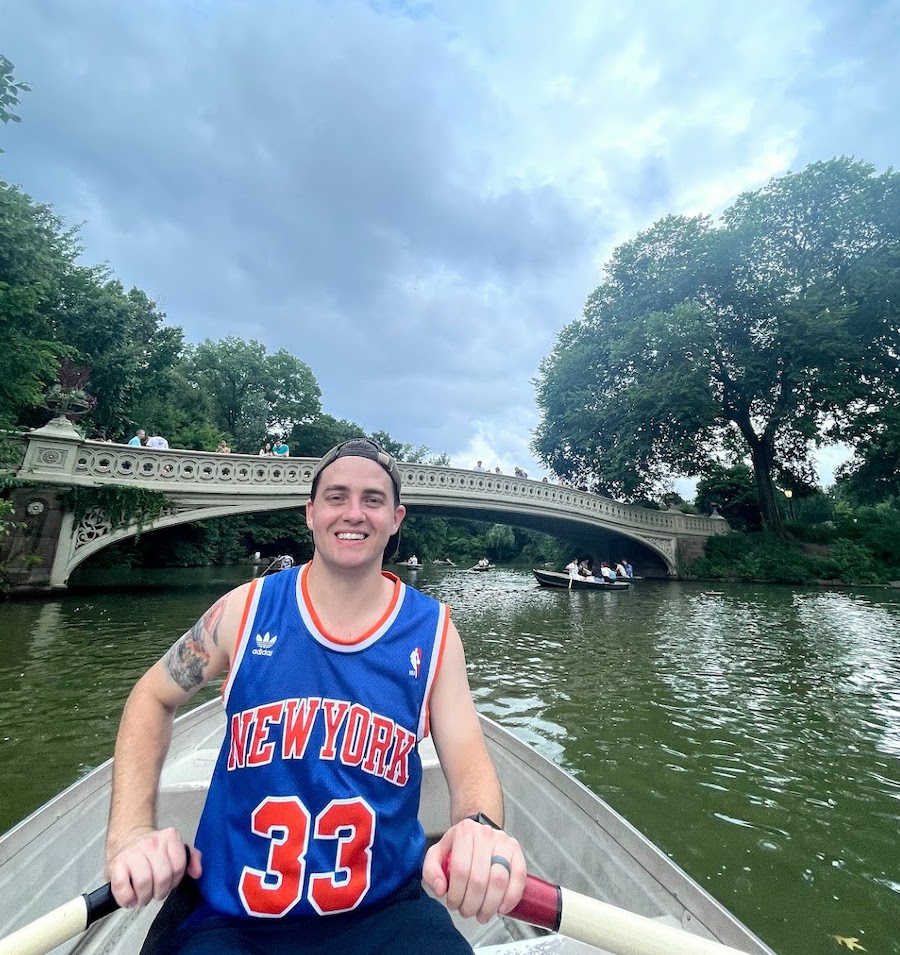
x=500 y=540
x=122 y=339
x=732 y=491
x=9 y=92
x=36 y=254
x=759 y=339
x=399 y=450
x=873 y=475
x=313 y=438
x=253 y=394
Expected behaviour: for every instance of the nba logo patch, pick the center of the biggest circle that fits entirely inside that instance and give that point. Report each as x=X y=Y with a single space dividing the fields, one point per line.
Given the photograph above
x=415 y=662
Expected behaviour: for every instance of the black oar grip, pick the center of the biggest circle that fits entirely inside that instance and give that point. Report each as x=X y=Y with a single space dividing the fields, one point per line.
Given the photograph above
x=99 y=904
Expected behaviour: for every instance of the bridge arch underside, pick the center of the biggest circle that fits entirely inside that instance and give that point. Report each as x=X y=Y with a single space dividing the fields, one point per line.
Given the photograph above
x=587 y=538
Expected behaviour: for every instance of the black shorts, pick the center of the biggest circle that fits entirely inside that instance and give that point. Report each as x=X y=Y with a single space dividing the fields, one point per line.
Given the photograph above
x=410 y=921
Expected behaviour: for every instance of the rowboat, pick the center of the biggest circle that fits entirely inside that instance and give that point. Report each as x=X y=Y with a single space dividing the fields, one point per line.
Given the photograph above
x=483 y=567
x=569 y=836
x=551 y=578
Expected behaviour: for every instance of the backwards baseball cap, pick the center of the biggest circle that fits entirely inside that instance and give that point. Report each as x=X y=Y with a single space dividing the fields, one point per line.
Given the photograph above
x=362 y=447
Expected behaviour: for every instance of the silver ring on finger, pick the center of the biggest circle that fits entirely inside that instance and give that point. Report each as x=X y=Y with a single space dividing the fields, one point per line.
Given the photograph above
x=502 y=860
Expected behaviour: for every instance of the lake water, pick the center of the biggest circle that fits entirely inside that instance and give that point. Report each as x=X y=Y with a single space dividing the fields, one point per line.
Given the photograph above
x=752 y=732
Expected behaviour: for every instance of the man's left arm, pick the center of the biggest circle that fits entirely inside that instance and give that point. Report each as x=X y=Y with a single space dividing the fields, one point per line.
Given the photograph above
x=478 y=884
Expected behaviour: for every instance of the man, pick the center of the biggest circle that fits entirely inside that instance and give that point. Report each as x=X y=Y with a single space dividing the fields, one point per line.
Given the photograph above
x=157 y=441
x=138 y=439
x=480 y=468
x=312 y=807
x=281 y=448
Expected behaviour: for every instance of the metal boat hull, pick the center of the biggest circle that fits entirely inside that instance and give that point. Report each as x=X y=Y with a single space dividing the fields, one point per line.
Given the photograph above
x=569 y=835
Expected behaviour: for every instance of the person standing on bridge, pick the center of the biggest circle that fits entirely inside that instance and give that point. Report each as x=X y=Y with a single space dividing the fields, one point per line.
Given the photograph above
x=139 y=438
x=310 y=832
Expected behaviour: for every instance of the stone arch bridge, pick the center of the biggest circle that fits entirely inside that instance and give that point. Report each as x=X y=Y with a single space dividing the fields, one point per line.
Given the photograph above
x=46 y=544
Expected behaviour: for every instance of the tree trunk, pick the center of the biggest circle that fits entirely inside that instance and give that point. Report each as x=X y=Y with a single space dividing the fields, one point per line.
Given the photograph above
x=762 y=456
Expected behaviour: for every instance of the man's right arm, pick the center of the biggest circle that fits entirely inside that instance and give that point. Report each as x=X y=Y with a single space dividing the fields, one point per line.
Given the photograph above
x=144 y=863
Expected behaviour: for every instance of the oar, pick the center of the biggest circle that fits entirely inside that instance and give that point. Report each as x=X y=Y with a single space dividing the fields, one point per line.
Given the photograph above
x=606 y=926
x=63 y=923
x=543 y=904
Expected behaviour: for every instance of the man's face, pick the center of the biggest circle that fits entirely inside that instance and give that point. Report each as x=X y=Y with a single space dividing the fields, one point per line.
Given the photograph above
x=353 y=514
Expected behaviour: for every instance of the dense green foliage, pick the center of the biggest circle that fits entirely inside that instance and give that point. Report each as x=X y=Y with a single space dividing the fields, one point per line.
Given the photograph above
x=757 y=339
x=830 y=541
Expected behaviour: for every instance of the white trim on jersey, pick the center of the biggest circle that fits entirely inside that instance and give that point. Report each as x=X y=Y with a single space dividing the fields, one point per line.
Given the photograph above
x=244 y=637
x=440 y=638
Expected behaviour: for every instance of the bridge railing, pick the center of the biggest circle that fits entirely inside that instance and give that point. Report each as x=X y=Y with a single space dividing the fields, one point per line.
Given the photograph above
x=60 y=456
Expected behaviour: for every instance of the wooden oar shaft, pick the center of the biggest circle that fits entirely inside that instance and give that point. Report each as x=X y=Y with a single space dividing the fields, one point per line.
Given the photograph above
x=45 y=933
x=63 y=923
x=607 y=926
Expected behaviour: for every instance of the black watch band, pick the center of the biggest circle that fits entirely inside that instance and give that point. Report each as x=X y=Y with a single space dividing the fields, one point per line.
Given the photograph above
x=484 y=820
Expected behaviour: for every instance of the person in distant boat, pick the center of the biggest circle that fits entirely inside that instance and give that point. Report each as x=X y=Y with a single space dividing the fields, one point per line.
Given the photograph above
x=413 y=561
x=572 y=568
x=629 y=570
x=484 y=562
x=620 y=570
x=285 y=562
x=584 y=569
x=608 y=574
x=310 y=839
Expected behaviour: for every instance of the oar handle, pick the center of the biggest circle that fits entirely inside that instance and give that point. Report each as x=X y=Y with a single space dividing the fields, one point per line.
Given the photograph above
x=607 y=926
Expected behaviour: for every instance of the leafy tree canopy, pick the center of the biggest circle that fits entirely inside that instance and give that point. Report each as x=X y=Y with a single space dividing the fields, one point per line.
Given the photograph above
x=312 y=439
x=732 y=491
x=873 y=475
x=757 y=338
x=36 y=254
x=253 y=394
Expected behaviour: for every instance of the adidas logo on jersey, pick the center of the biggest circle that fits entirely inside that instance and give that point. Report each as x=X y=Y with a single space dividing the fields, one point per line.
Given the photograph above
x=264 y=644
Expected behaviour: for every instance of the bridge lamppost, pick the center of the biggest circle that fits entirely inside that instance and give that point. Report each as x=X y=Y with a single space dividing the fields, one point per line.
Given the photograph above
x=789 y=494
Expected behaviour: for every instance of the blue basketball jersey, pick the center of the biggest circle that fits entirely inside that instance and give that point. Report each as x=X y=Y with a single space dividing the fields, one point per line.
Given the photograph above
x=313 y=803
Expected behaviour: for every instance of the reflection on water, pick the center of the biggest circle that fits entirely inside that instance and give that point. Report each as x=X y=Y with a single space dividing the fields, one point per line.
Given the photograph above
x=753 y=733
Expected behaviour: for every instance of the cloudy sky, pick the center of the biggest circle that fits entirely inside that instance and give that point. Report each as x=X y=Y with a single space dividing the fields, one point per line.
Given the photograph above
x=415 y=197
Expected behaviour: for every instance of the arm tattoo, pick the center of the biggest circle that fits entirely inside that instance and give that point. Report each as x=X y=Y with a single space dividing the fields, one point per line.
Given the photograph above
x=187 y=657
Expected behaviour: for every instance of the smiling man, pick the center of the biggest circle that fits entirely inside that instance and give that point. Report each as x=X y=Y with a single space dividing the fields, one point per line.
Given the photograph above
x=336 y=670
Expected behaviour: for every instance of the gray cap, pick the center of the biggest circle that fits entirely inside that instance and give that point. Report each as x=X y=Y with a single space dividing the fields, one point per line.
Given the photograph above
x=359 y=448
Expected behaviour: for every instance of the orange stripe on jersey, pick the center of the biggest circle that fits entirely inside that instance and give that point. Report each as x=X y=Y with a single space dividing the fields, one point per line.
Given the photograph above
x=362 y=637
x=439 y=650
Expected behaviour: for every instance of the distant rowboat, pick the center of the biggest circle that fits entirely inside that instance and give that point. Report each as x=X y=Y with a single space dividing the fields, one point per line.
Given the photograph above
x=550 y=578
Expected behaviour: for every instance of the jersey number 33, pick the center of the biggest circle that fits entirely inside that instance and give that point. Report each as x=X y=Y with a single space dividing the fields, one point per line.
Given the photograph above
x=287 y=824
